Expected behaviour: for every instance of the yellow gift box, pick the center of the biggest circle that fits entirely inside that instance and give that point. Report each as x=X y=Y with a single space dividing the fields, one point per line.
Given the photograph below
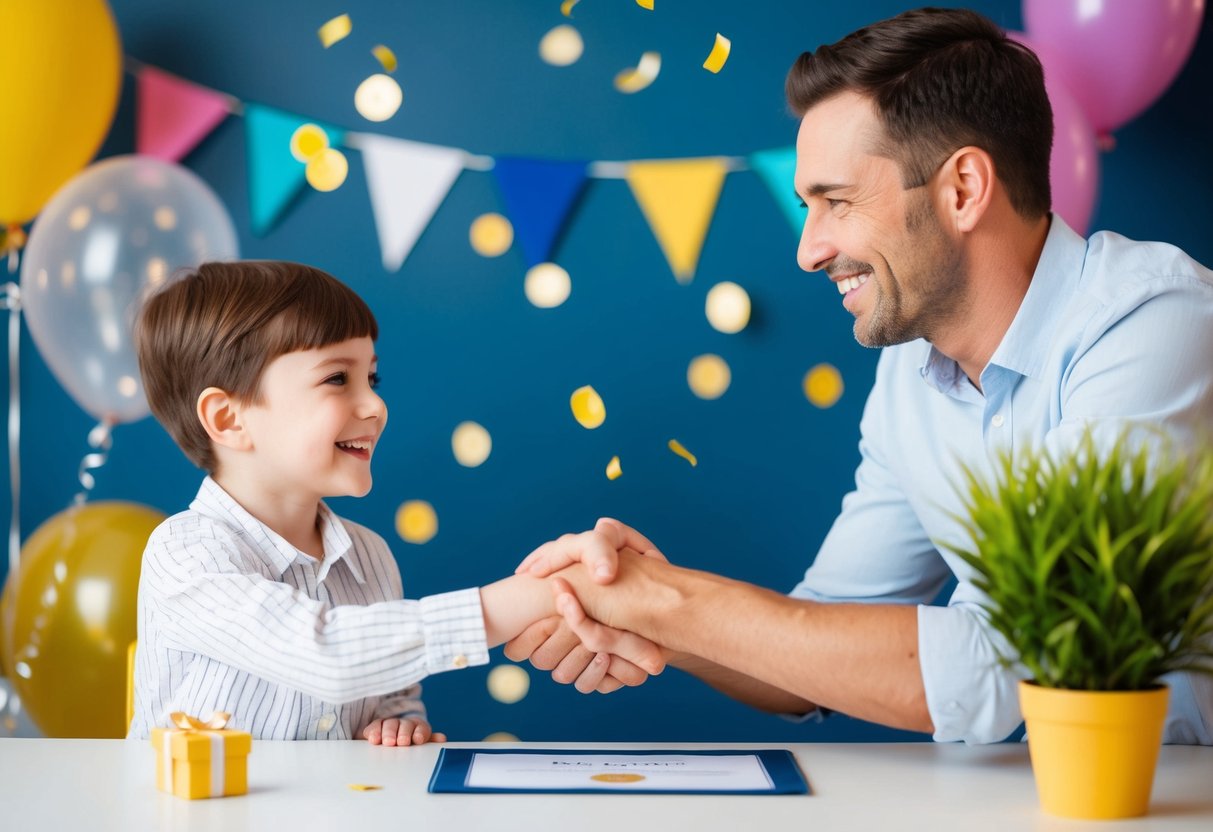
x=201 y=759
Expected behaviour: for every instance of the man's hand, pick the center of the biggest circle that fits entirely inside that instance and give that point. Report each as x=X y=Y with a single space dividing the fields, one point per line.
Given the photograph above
x=412 y=730
x=598 y=550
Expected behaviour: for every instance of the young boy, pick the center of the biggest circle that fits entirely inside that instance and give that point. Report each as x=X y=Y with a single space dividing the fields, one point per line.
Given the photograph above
x=258 y=600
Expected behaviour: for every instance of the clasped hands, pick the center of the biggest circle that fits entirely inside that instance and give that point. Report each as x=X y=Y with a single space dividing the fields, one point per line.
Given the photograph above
x=577 y=648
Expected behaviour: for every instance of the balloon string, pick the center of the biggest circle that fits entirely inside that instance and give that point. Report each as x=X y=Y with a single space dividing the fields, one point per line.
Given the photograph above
x=100 y=438
x=12 y=300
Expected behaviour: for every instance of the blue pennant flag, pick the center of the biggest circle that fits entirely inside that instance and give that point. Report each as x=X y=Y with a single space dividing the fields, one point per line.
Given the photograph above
x=538 y=196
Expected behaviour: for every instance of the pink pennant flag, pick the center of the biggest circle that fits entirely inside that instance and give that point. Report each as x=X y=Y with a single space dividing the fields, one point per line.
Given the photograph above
x=174 y=115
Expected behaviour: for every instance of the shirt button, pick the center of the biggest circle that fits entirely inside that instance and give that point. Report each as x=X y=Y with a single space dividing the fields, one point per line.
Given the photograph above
x=460 y=661
x=326 y=722
x=997 y=420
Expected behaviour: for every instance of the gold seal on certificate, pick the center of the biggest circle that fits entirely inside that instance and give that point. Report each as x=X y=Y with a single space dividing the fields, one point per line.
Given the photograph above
x=617 y=778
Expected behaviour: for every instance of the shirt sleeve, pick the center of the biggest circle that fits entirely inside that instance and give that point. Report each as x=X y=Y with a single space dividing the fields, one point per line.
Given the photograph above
x=401 y=704
x=207 y=602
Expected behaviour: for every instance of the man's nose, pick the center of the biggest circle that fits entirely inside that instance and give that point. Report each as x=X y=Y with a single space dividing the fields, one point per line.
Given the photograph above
x=815 y=250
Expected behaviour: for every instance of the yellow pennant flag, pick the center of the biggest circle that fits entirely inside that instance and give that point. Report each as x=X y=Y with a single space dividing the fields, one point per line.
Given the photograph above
x=678 y=198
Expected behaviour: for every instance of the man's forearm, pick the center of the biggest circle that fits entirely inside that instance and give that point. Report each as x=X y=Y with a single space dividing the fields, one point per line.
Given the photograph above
x=743 y=688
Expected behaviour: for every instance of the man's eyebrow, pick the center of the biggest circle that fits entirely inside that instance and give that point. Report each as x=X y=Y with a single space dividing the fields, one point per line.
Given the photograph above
x=824 y=188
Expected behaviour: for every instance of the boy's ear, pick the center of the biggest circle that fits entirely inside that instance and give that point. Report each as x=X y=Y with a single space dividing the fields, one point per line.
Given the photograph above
x=220 y=414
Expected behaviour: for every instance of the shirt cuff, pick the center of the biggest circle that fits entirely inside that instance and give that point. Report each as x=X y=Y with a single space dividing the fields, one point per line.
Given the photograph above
x=453 y=624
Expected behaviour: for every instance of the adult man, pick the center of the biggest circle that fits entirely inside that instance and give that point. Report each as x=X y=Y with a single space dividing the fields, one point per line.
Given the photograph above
x=923 y=156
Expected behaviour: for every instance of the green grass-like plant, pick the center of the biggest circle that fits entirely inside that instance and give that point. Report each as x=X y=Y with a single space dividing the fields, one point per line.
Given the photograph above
x=1097 y=563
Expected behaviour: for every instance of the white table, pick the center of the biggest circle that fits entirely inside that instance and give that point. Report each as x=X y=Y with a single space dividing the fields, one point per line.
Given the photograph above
x=81 y=785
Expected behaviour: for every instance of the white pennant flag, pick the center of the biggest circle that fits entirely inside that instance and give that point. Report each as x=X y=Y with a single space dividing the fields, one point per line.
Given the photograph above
x=407 y=181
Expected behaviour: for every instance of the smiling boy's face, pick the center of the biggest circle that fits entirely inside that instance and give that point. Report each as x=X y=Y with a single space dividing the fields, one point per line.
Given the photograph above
x=319 y=418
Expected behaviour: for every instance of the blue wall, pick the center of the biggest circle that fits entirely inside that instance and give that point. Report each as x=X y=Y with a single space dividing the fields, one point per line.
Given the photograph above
x=460 y=341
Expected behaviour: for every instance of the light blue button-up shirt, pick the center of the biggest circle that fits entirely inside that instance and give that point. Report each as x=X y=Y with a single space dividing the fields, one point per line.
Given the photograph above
x=1110 y=330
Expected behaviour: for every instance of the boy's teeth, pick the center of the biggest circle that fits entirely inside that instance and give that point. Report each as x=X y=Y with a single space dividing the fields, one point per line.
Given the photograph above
x=359 y=445
x=850 y=283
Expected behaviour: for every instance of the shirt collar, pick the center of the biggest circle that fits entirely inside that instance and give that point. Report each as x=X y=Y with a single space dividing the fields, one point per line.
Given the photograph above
x=212 y=500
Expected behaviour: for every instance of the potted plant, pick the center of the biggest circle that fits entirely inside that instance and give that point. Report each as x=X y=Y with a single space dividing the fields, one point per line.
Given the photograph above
x=1098 y=568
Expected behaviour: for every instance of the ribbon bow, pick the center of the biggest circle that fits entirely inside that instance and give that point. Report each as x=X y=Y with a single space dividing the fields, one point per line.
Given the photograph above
x=191 y=723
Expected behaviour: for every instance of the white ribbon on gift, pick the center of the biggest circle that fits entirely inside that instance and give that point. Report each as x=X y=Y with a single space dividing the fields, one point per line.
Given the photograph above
x=189 y=724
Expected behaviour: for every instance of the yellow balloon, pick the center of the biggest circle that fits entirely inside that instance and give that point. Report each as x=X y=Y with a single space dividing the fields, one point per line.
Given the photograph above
x=61 y=65
x=69 y=614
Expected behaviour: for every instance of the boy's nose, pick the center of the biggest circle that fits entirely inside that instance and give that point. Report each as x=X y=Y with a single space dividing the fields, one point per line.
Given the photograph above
x=372 y=407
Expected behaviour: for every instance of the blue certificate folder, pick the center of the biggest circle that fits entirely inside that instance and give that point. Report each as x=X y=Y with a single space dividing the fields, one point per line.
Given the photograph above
x=454 y=767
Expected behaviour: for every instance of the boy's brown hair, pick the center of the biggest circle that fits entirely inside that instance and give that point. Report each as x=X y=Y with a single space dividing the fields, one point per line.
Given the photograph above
x=221 y=324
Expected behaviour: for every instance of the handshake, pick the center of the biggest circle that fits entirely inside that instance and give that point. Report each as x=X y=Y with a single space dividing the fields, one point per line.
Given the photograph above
x=596 y=578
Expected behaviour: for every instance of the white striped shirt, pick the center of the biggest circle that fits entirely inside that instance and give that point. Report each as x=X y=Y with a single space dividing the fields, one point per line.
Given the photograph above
x=233 y=618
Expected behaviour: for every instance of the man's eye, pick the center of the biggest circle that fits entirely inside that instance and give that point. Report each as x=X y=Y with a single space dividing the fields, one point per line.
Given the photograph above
x=336 y=378
x=374 y=379
x=835 y=203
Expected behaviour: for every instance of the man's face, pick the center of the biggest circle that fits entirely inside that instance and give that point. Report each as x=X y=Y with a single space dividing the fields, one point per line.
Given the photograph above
x=883 y=245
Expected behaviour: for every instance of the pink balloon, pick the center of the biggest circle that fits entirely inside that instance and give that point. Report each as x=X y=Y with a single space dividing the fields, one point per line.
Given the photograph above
x=1115 y=56
x=1074 y=165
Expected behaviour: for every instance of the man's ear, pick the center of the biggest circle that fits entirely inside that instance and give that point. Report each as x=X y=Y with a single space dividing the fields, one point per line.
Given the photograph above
x=221 y=417
x=967 y=187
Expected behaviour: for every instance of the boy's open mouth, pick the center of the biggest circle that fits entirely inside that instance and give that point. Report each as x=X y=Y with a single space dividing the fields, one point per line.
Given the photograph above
x=360 y=448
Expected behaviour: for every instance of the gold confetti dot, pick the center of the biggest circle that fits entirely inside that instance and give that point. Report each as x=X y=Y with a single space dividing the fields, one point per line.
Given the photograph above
x=79 y=217
x=364 y=787
x=334 y=30
x=645 y=4
x=719 y=54
x=644 y=73
x=378 y=97
x=823 y=385
x=491 y=235
x=613 y=470
x=728 y=307
x=566 y=8
x=127 y=386
x=561 y=46
x=588 y=408
x=165 y=218
x=547 y=285
x=416 y=522
x=326 y=171
x=708 y=376
x=508 y=683
x=308 y=141
x=500 y=736
x=678 y=448
x=471 y=444
x=386 y=57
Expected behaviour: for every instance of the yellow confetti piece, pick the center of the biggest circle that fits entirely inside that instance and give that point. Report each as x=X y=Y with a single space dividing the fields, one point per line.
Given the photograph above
x=508 y=683
x=645 y=73
x=336 y=29
x=416 y=522
x=471 y=444
x=645 y=4
x=561 y=46
x=378 y=97
x=491 y=235
x=364 y=787
x=613 y=470
x=547 y=285
x=719 y=54
x=588 y=408
x=728 y=307
x=386 y=57
x=500 y=736
x=677 y=448
x=708 y=376
x=307 y=141
x=566 y=8
x=823 y=385
x=326 y=171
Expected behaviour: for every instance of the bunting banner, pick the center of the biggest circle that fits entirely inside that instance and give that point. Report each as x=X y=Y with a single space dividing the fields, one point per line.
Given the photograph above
x=407 y=182
x=173 y=116
x=275 y=175
x=539 y=195
x=777 y=169
x=678 y=198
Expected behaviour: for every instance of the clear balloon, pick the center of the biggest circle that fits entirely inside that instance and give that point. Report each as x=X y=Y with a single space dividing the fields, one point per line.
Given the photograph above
x=69 y=614
x=1115 y=56
x=115 y=232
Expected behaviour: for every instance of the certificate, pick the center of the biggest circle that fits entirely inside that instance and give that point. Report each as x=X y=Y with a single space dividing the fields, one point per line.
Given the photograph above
x=652 y=772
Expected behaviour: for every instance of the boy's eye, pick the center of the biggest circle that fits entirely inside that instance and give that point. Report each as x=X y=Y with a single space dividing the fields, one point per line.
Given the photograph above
x=374 y=379
x=336 y=378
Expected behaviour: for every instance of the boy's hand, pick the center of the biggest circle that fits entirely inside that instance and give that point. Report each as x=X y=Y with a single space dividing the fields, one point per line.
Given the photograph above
x=411 y=730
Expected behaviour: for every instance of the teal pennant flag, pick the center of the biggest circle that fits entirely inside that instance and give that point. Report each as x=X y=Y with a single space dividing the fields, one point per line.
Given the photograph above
x=275 y=175
x=778 y=170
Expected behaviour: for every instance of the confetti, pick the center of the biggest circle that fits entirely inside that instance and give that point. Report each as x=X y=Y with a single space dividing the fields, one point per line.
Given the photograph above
x=566 y=8
x=491 y=235
x=587 y=406
x=614 y=471
x=378 y=97
x=336 y=29
x=645 y=4
x=364 y=787
x=547 y=285
x=823 y=385
x=307 y=141
x=561 y=46
x=386 y=57
x=720 y=54
x=471 y=444
x=677 y=448
x=416 y=522
x=508 y=683
x=500 y=736
x=645 y=73
x=728 y=307
x=708 y=376
x=326 y=171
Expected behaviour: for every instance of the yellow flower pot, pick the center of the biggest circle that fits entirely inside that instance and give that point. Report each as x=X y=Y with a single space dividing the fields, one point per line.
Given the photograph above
x=1093 y=752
